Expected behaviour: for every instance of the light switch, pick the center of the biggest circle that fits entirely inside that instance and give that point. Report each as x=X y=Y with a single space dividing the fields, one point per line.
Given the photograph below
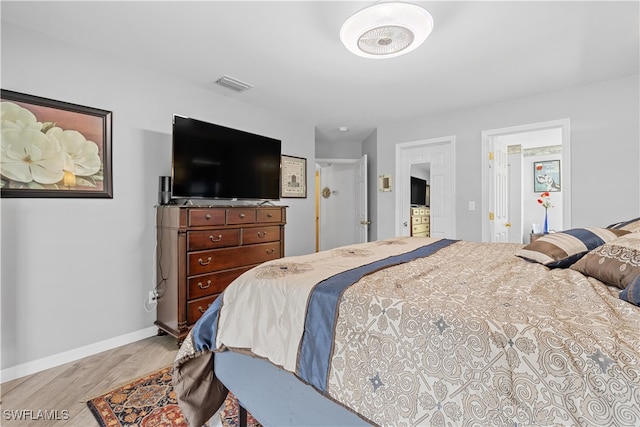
x=472 y=206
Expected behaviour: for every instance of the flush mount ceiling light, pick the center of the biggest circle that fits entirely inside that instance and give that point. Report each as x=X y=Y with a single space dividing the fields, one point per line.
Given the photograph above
x=385 y=30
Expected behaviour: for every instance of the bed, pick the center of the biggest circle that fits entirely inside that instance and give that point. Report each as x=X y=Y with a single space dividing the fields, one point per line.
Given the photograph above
x=424 y=331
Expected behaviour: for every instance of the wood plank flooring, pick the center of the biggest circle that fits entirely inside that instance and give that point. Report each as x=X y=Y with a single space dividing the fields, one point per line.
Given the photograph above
x=68 y=387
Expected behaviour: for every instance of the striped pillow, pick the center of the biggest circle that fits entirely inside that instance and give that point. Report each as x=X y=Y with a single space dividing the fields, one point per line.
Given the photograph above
x=560 y=250
x=632 y=225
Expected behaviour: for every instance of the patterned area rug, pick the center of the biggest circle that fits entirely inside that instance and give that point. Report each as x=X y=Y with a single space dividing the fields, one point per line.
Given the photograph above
x=229 y=415
x=151 y=402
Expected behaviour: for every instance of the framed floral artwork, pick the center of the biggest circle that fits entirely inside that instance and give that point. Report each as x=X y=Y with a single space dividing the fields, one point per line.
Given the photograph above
x=293 y=180
x=53 y=149
x=546 y=176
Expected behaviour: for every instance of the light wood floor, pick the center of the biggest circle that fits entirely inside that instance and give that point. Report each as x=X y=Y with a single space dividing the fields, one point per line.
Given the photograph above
x=70 y=386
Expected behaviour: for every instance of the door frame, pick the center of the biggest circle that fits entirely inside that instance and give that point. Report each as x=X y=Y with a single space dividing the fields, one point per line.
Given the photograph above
x=403 y=186
x=565 y=166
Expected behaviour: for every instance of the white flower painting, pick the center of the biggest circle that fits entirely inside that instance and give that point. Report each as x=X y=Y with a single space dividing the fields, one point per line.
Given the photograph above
x=41 y=154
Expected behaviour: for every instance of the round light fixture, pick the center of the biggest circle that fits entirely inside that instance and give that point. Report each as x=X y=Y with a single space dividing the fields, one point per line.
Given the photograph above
x=385 y=30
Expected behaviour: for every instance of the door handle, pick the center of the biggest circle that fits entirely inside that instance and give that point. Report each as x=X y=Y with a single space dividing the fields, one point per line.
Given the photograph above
x=365 y=222
x=507 y=224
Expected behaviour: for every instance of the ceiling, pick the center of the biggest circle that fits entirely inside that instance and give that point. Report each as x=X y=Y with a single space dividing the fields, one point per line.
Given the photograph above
x=479 y=52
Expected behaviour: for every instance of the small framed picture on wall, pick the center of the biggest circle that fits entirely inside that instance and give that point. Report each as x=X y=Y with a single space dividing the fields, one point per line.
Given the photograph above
x=294 y=177
x=546 y=176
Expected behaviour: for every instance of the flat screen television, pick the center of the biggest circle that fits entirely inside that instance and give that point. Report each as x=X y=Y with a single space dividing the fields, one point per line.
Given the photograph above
x=210 y=161
x=418 y=191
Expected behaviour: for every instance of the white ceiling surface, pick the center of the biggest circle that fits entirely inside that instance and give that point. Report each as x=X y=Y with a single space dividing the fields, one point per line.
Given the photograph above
x=479 y=52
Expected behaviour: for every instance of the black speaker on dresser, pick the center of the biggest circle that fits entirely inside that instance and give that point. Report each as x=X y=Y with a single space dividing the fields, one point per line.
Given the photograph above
x=164 y=190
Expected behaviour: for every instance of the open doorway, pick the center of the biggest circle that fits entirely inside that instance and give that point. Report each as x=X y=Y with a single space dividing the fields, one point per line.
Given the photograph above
x=341 y=202
x=439 y=154
x=519 y=164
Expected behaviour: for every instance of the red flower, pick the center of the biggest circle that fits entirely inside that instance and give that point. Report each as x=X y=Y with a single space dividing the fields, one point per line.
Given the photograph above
x=544 y=200
x=539 y=167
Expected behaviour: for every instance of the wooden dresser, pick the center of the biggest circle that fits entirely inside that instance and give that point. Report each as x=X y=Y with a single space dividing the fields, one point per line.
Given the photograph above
x=420 y=221
x=200 y=250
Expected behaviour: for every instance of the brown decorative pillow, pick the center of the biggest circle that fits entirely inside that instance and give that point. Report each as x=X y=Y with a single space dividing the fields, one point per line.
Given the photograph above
x=616 y=263
x=560 y=250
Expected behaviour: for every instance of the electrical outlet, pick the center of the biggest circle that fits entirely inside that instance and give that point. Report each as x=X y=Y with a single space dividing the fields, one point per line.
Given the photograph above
x=152 y=297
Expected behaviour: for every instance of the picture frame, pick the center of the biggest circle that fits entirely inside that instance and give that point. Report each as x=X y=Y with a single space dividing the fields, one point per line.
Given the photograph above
x=293 y=177
x=67 y=146
x=546 y=176
x=384 y=183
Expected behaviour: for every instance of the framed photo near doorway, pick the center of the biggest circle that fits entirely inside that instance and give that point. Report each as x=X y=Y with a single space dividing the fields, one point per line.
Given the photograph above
x=293 y=180
x=546 y=176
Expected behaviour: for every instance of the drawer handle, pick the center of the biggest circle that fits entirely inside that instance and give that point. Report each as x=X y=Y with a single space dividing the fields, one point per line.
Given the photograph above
x=270 y=251
x=204 y=263
x=269 y=215
x=202 y=310
x=207 y=217
x=216 y=240
x=201 y=286
x=242 y=215
x=262 y=233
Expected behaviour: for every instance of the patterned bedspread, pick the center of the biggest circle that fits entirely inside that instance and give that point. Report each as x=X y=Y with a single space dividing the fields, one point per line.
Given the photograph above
x=419 y=331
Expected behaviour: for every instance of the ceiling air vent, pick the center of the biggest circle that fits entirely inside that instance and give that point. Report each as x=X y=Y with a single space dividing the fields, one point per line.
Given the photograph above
x=233 y=84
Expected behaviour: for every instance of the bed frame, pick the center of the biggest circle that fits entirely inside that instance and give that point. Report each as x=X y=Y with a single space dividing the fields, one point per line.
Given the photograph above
x=276 y=397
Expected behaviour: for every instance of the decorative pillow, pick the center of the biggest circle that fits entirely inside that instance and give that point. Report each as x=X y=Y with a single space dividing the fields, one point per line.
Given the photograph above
x=632 y=225
x=616 y=263
x=560 y=250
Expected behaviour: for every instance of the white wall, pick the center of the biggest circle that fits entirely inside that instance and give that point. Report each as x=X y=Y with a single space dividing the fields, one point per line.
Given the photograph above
x=605 y=135
x=76 y=272
x=338 y=150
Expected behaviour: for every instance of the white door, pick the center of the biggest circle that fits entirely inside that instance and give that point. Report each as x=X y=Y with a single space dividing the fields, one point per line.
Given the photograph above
x=439 y=153
x=441 y=192
x=344 y=218
x=499 y=192
x=362 y=214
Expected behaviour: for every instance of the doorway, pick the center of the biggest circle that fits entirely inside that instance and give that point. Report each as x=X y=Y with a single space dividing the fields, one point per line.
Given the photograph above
x=439 y=154
x=509 y=200
x=341 y=202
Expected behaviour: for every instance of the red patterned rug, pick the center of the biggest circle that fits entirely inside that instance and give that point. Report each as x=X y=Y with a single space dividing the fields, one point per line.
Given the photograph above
x=151 y=402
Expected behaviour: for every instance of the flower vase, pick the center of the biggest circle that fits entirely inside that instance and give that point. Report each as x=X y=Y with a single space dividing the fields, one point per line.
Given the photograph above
x=545 y=229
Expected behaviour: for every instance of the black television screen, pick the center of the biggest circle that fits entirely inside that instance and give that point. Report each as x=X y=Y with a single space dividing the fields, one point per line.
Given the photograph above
x=418 y=191
x=216 y=162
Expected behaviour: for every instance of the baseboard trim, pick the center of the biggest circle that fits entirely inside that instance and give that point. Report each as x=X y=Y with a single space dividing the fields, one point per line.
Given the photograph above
x=24 y=369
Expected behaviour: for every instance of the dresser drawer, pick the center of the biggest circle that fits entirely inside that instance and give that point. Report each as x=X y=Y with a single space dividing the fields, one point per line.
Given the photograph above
x=422 y=228
x=196 y=308
x=210 y=239
x=415 y=211
x=214 y=283
x=425 y=220
x=241 y=216
x=260 y=234
x=222 y=259
x=269 y=215
x=203 y=217
x=416 y=220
